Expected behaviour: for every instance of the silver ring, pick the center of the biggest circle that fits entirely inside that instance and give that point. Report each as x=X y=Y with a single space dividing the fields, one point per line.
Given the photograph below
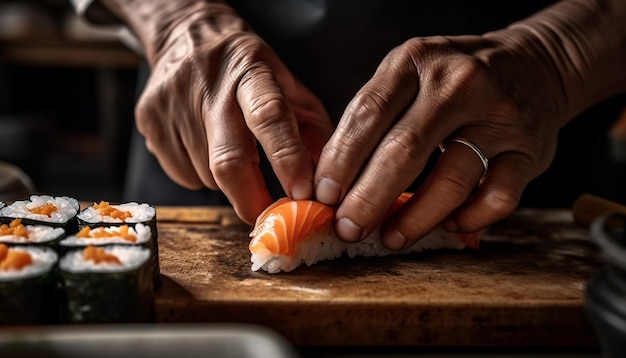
x=472 y=146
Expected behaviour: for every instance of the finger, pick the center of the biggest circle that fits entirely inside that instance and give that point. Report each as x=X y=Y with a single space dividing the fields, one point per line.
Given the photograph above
x=497 y=197
x=451 y=182
x=314 y=123
x=397 y=161
x=194 y=139
x=271 y=120
x=166 y=146
x=234 y=162
x=367 y=118
x=314 y=138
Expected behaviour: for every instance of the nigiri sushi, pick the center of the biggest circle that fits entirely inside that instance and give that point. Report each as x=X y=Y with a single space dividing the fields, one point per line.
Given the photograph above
x=290 y=232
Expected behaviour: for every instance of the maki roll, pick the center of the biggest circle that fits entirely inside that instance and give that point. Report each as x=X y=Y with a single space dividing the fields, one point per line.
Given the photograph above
x=48 y=210
x=27 y=284
x=16 y=233
x=137 y=235
x=107 y=285
x=107 y=215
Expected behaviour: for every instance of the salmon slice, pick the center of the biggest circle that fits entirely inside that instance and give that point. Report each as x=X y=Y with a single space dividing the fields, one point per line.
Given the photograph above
x=13 y=259
x=286 y=223
x=4 y=249
x=15 y=228
x=107 y=210
x=101 y=233
x=45 y=209
x=98 y=255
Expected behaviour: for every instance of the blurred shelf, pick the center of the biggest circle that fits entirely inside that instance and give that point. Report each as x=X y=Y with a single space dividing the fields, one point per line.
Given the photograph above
x=62 y=52
x=73 y=72
x=32 y=34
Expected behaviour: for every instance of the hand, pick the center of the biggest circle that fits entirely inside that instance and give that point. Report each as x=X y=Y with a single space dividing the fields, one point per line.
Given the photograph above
x=505 y=98
x=507 y=92
x=215 y=90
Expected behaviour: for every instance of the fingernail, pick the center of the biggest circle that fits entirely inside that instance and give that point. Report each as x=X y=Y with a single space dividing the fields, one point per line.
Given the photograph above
x=449 y=225
x=394 y=240
x=348 y=230
x=303 y=189
x=328 y=191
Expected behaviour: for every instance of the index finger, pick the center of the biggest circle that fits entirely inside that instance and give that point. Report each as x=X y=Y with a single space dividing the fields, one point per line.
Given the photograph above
x=234 y=162
x=271 y=120
x=366 y=120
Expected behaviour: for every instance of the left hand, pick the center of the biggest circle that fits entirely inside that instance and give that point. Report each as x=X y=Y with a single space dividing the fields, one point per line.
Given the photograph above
x=503 y=97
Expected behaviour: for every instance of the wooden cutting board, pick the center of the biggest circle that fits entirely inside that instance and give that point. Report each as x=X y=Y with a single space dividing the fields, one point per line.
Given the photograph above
x=523 y=287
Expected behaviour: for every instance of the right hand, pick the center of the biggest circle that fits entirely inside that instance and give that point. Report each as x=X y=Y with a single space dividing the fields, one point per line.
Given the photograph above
x=216 y=89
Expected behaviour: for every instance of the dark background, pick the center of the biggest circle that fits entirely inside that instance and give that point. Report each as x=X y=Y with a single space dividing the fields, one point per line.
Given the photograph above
x=66 y=111
x=66 y=100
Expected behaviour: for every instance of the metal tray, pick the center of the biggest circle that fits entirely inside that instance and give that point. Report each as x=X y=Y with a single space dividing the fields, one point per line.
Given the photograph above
x=144 y=340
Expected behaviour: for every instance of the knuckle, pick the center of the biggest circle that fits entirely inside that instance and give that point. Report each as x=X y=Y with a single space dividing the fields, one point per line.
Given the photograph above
x=402 y=145
x=459 y=80
x=269 y=120
x=455 y=189
x=286 y=150
x=242 y=45
x=501 y=203
x=404 y=148
x=268 y=111
x=228 y=162
x=452 y=74
x=413 y=228
x=368 y=209
x=415 y=48
x=147 y=119
x=368 y=104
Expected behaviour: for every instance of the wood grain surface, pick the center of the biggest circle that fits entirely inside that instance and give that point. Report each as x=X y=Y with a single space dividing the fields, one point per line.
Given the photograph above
x=523 y=287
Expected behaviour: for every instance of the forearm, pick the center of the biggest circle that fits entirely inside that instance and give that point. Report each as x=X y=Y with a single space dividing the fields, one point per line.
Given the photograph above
x=156 y=21
x=585 y=40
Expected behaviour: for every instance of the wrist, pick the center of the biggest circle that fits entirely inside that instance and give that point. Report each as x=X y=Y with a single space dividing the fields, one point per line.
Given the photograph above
x=584 y=45
x=157 y=23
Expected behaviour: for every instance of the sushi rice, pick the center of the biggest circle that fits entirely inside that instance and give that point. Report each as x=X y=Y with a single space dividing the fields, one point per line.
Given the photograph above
x=67 y=209
x=37 y=234
x=142 y=232
x=132 y=258
x=329 y=247
x=43 y=258
x=141 y=213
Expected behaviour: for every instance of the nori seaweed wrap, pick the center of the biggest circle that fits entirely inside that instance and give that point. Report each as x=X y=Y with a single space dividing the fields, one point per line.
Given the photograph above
x=59 y=211
x=105 y=291
x=104 y=214
x=28 y=290
x=15 y=233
